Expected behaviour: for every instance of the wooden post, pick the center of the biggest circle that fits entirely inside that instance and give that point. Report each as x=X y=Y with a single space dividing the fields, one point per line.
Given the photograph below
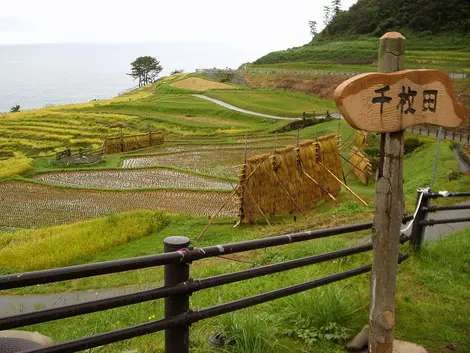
x=389 y=211
x=385 y=102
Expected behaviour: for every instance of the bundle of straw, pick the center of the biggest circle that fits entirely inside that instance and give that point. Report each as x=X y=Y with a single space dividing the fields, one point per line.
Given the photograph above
x=277 y=183
x=360 y=165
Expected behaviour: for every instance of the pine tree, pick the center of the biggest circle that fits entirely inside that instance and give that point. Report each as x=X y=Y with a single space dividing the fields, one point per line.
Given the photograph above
x=145 y=69
x=313 y=28
x=326 y=15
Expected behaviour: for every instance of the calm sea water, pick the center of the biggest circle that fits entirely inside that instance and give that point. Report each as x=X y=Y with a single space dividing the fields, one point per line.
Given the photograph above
x=37 y=75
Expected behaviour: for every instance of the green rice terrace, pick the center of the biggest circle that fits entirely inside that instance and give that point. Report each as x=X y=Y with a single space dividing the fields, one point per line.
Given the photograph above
x=52 y=215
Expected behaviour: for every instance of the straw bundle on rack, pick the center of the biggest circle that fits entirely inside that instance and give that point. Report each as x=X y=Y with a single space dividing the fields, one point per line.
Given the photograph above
x=131 y=143
x=276 y=183
x=361 y=139
x=360 y=165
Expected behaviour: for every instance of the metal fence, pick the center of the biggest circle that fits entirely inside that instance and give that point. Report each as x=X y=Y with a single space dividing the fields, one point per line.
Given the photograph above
x=446 y=135
x=178 y=286
x=267 y=71
x=423 y=209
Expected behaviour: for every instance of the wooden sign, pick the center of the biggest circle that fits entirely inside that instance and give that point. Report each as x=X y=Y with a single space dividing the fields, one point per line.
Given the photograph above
x=387 y=102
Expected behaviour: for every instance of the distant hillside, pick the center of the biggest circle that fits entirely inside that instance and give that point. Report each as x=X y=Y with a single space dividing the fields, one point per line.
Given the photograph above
x=433 y=28
x=375 y=17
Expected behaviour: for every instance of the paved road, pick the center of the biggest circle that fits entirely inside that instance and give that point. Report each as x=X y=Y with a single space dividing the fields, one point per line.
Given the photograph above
x=249 y=112
x=464 y=167
x=15 y=304
x=229 y=106
x=441 y=230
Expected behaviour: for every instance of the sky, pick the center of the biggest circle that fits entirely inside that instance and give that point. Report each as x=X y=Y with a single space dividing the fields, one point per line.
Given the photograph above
x=272 y=24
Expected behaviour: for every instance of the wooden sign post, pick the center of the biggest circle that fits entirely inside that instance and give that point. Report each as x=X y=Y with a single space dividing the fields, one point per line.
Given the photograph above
x=388 y=102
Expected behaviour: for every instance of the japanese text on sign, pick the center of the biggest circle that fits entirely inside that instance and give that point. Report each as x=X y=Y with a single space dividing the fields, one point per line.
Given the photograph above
x=406 y=100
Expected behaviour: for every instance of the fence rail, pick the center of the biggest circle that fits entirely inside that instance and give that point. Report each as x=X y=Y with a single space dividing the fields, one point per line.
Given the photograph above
x=266 y=71
x=178 y=286
x=446 y=135
x=423 y=209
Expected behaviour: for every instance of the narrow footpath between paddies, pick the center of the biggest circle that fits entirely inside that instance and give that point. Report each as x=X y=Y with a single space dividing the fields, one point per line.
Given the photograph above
x=14 y=304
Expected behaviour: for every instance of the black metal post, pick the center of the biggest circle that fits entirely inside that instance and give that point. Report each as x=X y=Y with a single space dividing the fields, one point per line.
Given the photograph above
x=177 y=338
x=417 y=231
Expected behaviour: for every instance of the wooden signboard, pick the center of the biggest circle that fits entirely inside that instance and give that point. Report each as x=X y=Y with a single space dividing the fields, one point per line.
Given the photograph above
x=386 y=102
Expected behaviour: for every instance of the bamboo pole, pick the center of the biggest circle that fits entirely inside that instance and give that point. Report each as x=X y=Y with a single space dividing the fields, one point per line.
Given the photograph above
x=214 y=216
x=339 y=180
x=319 y=185
x=258 y=206
x=288 y=194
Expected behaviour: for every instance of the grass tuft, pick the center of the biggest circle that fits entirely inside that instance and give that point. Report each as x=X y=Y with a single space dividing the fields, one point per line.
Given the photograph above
x=36 y=249
x=247 y=333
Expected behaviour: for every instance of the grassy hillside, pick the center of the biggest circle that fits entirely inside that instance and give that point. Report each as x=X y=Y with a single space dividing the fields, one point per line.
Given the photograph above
x=157 y=107
x=451 y=54
x=436 y=31
x=375 y=17
x=275 y=102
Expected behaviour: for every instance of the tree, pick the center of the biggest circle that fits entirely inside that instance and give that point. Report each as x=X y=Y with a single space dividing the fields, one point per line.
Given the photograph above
x=326 y=15
x=15 y=109
x=145 y=69
x=177 y=71
x=313 y=28
x=335 y=8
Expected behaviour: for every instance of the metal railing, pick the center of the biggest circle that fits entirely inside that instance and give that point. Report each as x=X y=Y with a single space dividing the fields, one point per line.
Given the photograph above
x=423 y=209
x=446 y=135
x=178 y=286
x=316 y=72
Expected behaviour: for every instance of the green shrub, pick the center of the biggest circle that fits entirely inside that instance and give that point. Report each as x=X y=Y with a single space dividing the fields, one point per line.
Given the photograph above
x=412 y=143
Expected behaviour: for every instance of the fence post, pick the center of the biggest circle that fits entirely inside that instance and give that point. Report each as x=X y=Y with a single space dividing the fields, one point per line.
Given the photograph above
x=176 y=339
x=428 y=131
x=417 y=230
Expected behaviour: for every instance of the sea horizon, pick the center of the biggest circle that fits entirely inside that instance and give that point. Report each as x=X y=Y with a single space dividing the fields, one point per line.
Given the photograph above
x=38 y=75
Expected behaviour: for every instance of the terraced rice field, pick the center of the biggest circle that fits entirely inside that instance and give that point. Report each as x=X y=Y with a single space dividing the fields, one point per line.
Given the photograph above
x=26 y=205
x=284 y=142
x=221 y=163
x=132 y=179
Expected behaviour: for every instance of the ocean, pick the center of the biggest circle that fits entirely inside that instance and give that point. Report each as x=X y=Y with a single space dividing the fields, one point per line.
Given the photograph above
x=34 y=76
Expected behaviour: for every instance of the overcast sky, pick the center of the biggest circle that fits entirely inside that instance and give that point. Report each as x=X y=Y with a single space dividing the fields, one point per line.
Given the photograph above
x=270 y=23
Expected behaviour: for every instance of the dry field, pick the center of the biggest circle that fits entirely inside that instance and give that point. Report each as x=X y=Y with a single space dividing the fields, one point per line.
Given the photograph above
x=259 y=143
x=221 y=163
x=132 y=179
x=199 y=84
x=27 y=205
